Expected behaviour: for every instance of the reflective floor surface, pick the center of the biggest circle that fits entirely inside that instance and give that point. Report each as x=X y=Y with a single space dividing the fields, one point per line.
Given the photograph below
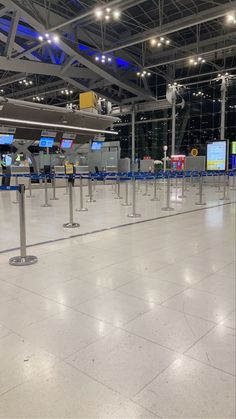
x=135 y=322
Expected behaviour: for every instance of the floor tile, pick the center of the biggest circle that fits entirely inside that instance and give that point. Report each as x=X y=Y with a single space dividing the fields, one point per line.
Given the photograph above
x=217 y=349
x=190 y=389
x=110 y=277
x=73 y=292
x=229 y=321
x=9 y=292
x=181 y=275
x=174 y=330
x=202 y=304
x=217 y=284
x=21 y=360
x=115 y=308
x=123 y=362
x=60 y=392
x=66 y=332
x=132 y=411
x=27 y=310
x=4 y=331
x=152 y=290
x=229 y=270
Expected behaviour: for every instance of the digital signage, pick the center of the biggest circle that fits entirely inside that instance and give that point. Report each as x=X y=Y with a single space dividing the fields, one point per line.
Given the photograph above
x=65 y=144
x=46 y=142
x=96 y=145
x=216 y=155
x=233 y=147
x=6 y=139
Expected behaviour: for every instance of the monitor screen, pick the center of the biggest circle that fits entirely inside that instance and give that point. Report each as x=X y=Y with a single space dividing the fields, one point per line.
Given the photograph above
x=96 y=145
x=66 y=143
x=216 y=155
x=46 y=142
x=6 y=139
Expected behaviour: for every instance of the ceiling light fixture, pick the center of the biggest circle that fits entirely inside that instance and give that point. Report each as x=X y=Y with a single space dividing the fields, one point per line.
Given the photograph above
x=107 y=14
x=103 y=59
x=45 y=124
x=144 y=73
x=159 y=42
x=196 y=60
x=231 y=18
x=49 y=38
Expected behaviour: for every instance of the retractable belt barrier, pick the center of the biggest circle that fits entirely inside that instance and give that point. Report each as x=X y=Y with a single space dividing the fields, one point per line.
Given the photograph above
x=126 y=177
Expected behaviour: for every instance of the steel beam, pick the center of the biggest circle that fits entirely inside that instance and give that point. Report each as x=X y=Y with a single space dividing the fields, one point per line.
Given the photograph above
x=12 y=33
x=211 y=13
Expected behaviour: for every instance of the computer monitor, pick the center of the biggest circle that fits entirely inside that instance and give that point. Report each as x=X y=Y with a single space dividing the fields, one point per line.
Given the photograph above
x=96 y=145
x=6 y=139
x=66 y=144
x=46 y=142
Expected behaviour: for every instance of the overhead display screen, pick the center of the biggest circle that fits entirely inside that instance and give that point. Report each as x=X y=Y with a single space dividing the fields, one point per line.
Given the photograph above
x=66 y=143
x=216 y=155
x=46 y=142
x=234 y=147
x=96 y=145
x=6 y=139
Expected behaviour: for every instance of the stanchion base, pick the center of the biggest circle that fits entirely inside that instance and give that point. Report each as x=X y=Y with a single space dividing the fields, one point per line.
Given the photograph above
x=15 y=202
x=82 y=209
x=224 y=199
x=200 y=203
x=71 y=225
x=154 y=199
x=134 y=215
x=45 y=205
x=91 y=200
x=54 y=199
x=182 y=196
x=167 y=209
x=118 y=197
x=23 y=261
x=126 y=204
x=146 y=194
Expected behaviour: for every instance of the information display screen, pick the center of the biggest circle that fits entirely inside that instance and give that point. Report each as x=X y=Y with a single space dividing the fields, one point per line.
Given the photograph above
x=66 y=143
x=6 y=139
x=216 y=155
x=96 y=145
x=233 y=147
x=46 y=142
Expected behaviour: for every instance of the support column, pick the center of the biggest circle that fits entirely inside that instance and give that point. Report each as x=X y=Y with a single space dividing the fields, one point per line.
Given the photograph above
x=173 y=119
x=133 y=138
x=223 y=102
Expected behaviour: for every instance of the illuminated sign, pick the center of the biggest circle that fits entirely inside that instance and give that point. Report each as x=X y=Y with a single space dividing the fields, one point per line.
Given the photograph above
x=216 y=155
x=234 y=147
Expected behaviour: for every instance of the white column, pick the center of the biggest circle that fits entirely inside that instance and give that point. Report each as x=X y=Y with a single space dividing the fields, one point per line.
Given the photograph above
x=133 y=137
x=173 y=119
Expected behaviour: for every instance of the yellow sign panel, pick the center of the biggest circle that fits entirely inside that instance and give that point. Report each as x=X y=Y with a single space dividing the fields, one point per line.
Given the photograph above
x=88 y=100
x=234 y=147
x=69 y=169
x=194 y=152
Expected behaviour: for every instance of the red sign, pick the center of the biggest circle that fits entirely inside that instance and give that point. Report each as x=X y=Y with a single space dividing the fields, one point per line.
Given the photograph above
x=147 y=158
x=177 y=162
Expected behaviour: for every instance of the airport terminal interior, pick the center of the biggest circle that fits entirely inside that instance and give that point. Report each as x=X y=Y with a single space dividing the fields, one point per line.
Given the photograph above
x=117 y=209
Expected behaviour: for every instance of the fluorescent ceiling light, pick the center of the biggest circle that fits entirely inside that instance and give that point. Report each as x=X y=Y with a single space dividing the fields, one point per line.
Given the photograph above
x=45 y=124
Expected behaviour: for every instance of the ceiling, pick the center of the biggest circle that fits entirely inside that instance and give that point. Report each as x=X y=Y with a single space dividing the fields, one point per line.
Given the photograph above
x=193 y=28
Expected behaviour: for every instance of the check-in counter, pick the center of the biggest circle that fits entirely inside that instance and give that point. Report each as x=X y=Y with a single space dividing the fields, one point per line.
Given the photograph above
x=112 y=169
x=59 y=171
x=81 y=170
x=20 y=175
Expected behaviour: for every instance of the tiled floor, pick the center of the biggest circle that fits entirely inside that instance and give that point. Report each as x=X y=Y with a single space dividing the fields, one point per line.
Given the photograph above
x=134 y=322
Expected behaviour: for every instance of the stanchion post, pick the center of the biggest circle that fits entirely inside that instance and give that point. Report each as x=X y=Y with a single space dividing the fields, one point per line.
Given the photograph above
x=134 y=214
x=67 y=188
x=46 y=204
x=23 y=259
x=126 y=203
x=71 y=223
x=30 y=189
x=200 y=192
x=183 y=188
x=146 y=188
x=81 y=195
x=54 y=198
x=155 y=198
x=225 y=196
x=90 y=189
x=118 y=189
x=17 y=192
x=168 y=207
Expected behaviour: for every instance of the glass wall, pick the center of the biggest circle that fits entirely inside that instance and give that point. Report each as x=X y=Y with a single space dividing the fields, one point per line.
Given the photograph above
x=196 y=124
